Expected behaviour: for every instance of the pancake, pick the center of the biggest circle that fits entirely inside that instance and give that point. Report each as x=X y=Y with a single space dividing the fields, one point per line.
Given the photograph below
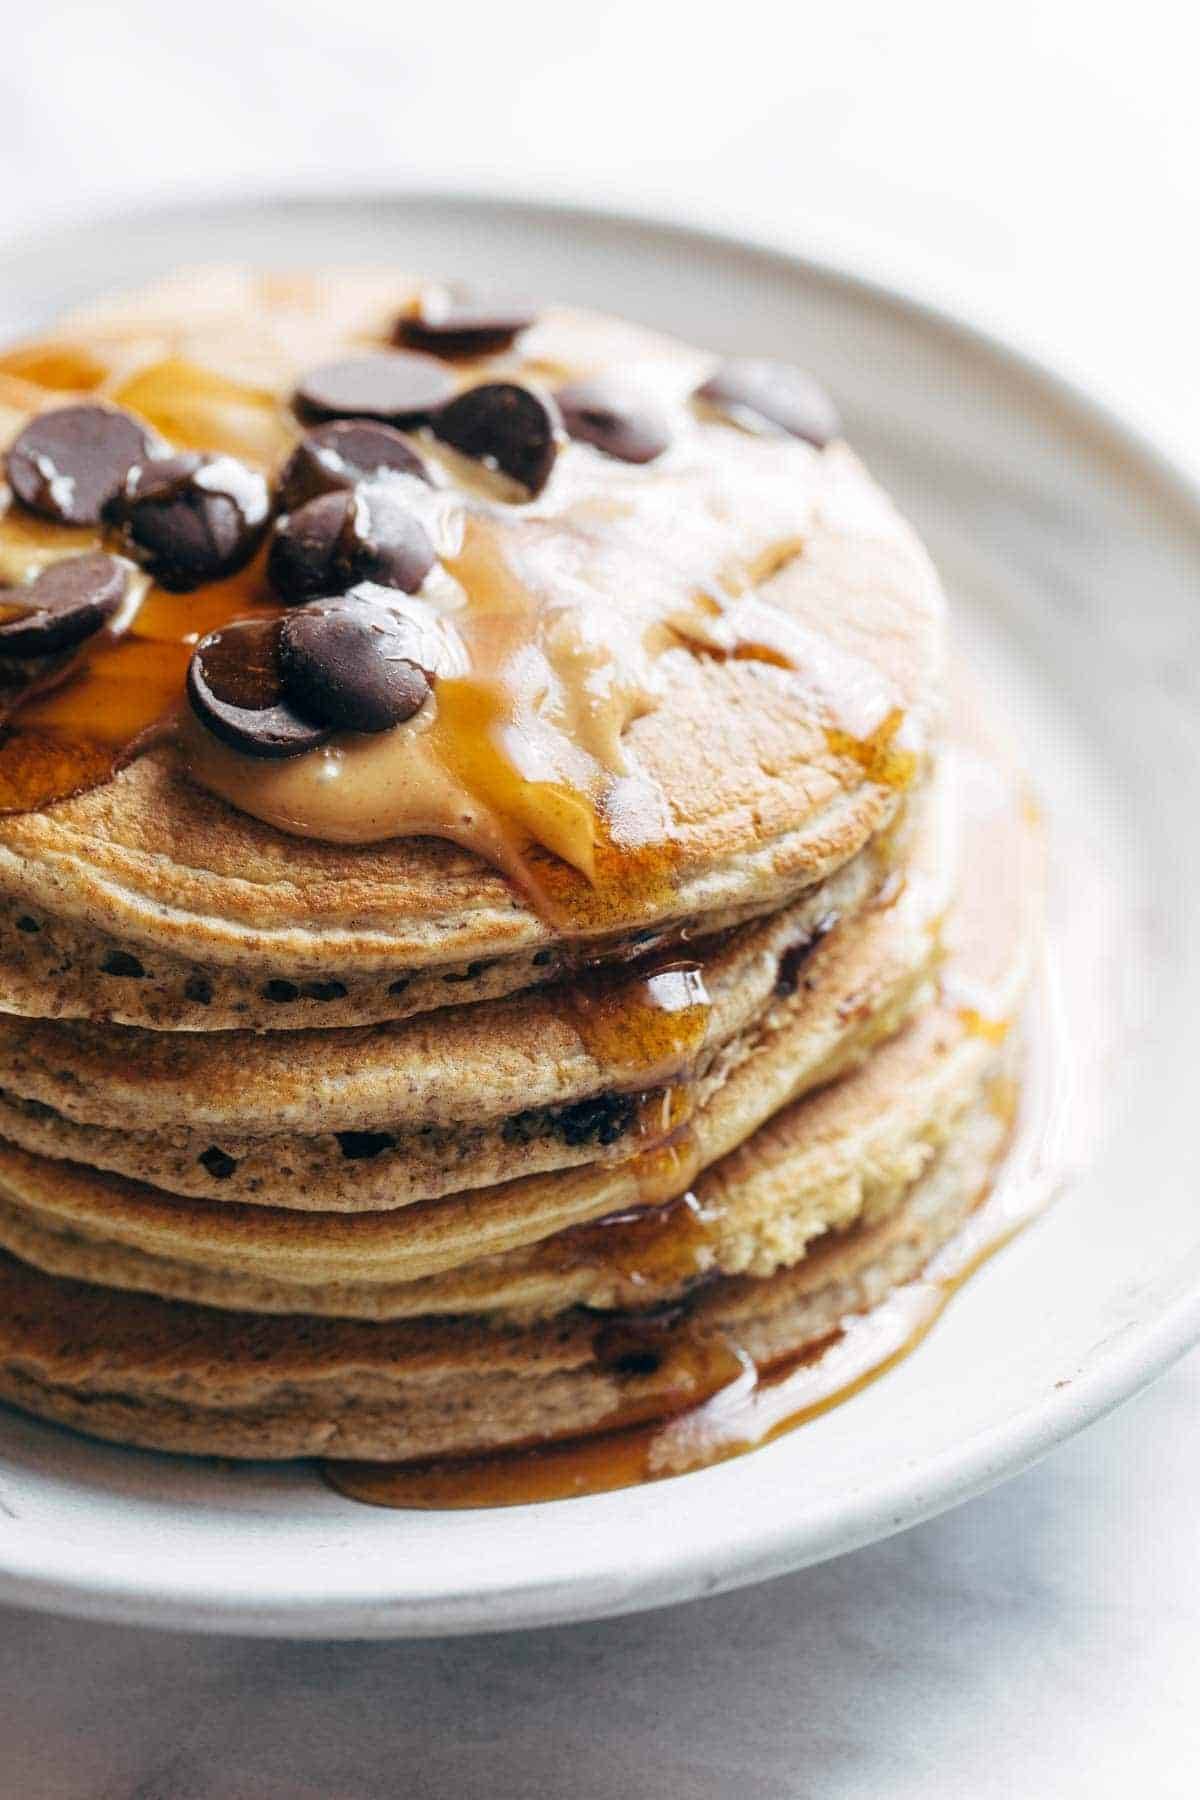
x=151 y=901
x=513 y=953
x=550 y=1080
x=167 y=1376
x=501 y=1248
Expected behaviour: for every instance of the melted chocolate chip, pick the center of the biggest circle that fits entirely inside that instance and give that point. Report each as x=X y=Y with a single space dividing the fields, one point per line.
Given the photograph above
x=457 y=323
x=67 y=464
x=349 y=664
x=360 y=534
x=62 y=606
x=235 y=686
x=219 y=1163
x=395 y=385
x=340 y=455
x=505 y=427
x=191 y=519
x=120 y=962
x=632 y=431
x=764 y=395
x=600 y=1120
x=359 y=1146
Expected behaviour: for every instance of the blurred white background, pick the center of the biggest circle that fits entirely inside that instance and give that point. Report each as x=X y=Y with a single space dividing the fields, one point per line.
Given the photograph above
x=1033 y=164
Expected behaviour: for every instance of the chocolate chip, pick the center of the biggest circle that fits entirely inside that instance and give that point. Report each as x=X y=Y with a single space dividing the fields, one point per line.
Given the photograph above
x=791 y=963
x=25 y=923
x=198 y=989
x=601 y=1120
x=349 y=664
x=66 y=464
x=401 y=984
x=235 y=686
x=62 y=606
x=281 y=991
x=762 y=395
x=219 y=1163
x=340 y=455
x=454 y=322
x=504 y=427
x=632 y=431
x=120 y=962
x=472 y=972
x=325 y=990
x=357 y=1146
x=191 y=519
x=395 y=385
x=360 y=534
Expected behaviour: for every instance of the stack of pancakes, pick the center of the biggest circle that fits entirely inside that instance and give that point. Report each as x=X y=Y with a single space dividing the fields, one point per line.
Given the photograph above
x=355 y=1149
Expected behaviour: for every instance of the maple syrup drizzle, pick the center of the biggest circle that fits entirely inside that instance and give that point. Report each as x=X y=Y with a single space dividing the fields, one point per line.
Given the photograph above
x=728 y=1404
x=108 y=698
x=643 y=1029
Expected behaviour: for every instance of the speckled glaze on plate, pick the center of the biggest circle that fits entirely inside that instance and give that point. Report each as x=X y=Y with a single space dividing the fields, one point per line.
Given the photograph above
x=1072 y=553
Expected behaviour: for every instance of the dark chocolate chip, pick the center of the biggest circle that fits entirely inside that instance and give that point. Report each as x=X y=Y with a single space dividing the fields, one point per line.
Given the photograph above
x=25 y=923
x=191 y=519
x=791 y=963
x=472 y=972
x=401 y=984
x=120 y=962
x=219 y=1163
x=66 y=464
x=454 y=322
x=350 y=665
x=506 y=427
x=359 y=534
x=631 y=430
x=235 y=686
x=324 y=990
x=764 y=395
x=395 y=385
x=198 y=989
x=281 y=991
x=62 y=606
x=601 y=1120
x=357 y=1146
x=340 y=455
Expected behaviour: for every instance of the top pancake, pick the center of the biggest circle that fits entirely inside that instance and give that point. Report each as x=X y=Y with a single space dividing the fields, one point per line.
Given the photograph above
x=231 y=921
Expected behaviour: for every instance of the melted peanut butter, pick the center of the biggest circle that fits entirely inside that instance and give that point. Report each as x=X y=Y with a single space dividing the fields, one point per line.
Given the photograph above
x=553 y=625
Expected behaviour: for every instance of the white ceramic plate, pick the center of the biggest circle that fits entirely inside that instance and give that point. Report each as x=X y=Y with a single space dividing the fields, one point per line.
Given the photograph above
x=1072 y=552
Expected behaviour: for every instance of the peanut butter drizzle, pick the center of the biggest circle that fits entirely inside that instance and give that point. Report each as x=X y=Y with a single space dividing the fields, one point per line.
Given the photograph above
x=704 y=1400
x=552 y=625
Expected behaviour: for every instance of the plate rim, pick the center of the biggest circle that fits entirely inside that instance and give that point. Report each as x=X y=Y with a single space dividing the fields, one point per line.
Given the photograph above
x=1122 y=1365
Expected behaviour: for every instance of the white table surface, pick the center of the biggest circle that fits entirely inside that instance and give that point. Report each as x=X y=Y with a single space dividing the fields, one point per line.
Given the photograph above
x=1035 y=165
